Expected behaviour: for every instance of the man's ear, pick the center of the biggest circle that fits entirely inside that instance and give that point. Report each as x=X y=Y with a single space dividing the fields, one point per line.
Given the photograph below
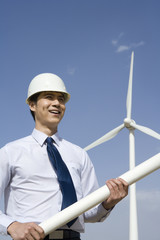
x=32 y=106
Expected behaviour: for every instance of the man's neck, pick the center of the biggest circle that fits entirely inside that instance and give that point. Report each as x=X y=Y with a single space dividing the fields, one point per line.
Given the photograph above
x=48 y=131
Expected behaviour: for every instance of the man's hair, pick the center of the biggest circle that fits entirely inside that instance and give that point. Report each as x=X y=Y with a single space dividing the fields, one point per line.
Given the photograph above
x=34 y=98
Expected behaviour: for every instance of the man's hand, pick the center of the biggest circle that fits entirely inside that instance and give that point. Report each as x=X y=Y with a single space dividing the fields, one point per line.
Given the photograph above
x=118 y=190
x=25 y=231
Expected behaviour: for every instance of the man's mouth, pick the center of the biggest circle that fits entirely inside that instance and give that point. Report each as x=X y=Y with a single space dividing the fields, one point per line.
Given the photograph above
x=54 y=111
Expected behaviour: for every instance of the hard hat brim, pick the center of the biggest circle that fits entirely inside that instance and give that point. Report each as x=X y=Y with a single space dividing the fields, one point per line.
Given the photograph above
x=67 y=95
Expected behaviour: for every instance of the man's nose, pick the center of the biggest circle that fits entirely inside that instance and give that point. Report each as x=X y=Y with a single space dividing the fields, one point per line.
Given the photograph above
x=55 y=102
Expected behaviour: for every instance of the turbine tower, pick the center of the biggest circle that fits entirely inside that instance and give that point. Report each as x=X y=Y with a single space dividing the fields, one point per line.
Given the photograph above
x=131 y=126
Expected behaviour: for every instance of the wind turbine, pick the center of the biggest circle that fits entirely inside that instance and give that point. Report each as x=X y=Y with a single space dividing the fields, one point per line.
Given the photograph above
x=131 y=126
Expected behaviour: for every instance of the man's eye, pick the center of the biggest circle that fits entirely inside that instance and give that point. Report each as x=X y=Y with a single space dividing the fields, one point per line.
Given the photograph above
x=61 y=99
x=48 y=96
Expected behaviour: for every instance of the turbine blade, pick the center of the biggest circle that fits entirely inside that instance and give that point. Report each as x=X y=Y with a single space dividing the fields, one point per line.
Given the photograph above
x=106 y=137
x=129 y=94
x=146 y=130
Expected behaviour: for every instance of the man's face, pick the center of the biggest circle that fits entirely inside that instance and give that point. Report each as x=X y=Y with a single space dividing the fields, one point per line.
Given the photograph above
x=49 y=110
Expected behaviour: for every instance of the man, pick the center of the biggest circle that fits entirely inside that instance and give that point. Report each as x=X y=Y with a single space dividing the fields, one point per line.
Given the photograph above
x=30 y=181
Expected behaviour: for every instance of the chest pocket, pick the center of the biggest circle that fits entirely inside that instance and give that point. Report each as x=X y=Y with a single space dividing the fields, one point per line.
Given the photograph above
x=75 y=171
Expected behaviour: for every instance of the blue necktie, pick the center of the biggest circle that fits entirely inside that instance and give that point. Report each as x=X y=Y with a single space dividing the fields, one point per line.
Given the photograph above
x=63 y=175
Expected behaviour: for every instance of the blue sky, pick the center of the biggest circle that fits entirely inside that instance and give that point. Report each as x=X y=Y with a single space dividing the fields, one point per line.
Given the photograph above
x=89 y=44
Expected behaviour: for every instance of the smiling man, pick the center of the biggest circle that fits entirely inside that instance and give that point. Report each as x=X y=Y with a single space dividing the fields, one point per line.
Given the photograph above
x=43 y=173
x=48 y=115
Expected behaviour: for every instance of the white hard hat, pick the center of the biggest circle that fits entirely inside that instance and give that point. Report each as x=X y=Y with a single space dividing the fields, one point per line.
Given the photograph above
x=47 y=82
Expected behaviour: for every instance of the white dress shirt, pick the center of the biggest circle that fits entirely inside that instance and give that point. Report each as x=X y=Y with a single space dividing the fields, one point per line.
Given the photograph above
x=29 y=182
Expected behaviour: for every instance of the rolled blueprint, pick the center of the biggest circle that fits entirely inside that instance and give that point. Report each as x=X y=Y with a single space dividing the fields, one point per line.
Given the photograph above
x=98 y=196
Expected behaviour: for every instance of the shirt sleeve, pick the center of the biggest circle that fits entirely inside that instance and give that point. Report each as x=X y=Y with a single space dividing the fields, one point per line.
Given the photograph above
x=5 y=220
x=90 y=184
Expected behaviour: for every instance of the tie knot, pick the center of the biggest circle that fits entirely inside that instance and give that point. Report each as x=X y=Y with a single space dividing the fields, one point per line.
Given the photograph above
x=49 y=140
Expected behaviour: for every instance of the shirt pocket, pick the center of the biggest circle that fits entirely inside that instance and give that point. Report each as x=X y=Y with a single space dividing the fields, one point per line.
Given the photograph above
x=75 y=171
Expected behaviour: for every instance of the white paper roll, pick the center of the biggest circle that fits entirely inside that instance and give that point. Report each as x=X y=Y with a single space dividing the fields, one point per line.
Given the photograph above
x=98 y=196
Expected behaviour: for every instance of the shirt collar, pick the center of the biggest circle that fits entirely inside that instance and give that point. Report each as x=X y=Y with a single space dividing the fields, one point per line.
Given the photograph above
x=40 y=137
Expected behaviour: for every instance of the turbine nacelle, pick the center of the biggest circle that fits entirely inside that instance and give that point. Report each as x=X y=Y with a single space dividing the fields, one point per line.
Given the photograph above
x=128 y=123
